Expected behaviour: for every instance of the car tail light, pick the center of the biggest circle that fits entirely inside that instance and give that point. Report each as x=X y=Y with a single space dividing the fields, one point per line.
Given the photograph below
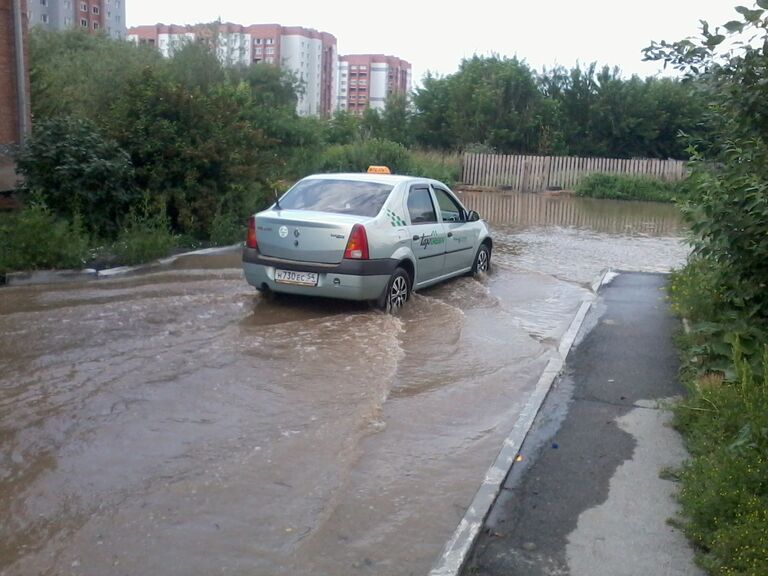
x=250 y=240
x=357 y=245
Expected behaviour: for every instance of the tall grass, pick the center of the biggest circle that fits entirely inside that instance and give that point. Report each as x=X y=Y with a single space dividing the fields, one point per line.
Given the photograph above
x=724 y=420
x=145 y=235
x=620 y=187
x=436 y=165
x=34 y=238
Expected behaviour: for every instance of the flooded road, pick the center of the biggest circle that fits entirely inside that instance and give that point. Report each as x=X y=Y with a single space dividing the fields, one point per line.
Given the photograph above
x=177 y=423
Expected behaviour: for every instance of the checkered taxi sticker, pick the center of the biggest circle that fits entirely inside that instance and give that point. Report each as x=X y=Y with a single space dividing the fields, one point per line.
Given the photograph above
x=394 y=219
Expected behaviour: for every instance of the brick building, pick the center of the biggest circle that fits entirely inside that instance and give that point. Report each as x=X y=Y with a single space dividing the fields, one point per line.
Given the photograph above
x=367 y=80
x=14 y=86
x=98 y=16
x=309 y=54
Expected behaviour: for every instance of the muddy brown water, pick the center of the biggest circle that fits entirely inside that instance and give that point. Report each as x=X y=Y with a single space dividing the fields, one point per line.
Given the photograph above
x=176 y=423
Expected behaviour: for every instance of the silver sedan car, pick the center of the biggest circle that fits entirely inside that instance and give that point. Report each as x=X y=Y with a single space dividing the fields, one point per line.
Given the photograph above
x=375 y=237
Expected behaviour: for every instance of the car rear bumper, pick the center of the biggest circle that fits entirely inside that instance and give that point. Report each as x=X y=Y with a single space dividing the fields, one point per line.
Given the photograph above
x=350 y=279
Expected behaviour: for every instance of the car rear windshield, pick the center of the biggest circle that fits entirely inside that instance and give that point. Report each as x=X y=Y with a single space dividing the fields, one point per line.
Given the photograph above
x=337 y=196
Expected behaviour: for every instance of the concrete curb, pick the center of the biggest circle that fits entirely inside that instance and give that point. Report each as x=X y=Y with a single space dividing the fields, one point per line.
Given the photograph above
x=48 y=276
x=458 y=547
x=55 y=276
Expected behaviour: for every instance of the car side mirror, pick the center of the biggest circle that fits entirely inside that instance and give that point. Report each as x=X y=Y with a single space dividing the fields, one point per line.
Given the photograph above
x=473 y=216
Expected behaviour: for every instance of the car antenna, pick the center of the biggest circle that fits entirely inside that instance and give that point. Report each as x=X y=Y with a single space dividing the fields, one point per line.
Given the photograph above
x=277 y=199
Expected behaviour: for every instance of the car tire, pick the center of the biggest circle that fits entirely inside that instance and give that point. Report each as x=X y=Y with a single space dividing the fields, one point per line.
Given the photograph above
x=396 y=293
x=482 y=262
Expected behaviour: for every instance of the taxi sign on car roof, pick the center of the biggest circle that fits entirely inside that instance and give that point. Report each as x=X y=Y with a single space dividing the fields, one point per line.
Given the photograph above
x=378 y=170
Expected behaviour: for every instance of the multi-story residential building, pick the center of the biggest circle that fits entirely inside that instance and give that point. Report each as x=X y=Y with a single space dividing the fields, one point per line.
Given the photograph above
x=367 y=80
x=107 y=16
x=14 y=86
x=310 y=55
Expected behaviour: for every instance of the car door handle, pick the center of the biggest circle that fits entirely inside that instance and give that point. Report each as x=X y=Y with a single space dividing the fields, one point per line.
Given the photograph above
x=450 y=234
x=416 y=236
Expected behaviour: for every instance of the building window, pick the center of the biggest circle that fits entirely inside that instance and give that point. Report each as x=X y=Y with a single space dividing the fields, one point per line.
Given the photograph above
x=67 y=4
x=83 y=7
x=44 y=18
x=83 y=23
x=95 y=25
x=270 y=41
x=257 y=41
x=270 y=50
x=258 y=49
x=67 y=21
x=43 y=2
x=95 y=9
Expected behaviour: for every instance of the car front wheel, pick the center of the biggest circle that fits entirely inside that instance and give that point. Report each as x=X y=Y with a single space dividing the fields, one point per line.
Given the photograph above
x=482 y=260
x=396 y=293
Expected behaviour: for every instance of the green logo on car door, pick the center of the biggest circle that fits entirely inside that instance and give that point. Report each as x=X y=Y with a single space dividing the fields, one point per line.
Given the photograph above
x=432 y=240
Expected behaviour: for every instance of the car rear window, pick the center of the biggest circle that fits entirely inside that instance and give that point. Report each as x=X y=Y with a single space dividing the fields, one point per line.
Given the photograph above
x=337 y=196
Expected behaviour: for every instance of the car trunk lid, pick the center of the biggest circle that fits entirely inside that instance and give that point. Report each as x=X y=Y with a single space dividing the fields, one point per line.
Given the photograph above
x=304 y=236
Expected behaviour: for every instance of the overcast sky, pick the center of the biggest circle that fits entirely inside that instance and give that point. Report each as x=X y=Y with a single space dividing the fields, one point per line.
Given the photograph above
x=435 y=35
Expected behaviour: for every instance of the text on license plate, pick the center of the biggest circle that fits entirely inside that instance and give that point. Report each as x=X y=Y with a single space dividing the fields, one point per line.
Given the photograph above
x=291 y=277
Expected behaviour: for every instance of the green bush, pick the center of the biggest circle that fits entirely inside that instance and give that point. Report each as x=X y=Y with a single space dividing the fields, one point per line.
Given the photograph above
x=71 y=167
x=146 y=235
x=35 y=238
x=618 y=187
x=358 y=156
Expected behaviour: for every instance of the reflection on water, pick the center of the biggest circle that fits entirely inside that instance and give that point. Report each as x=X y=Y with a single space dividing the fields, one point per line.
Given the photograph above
x=608 y=216
x=178 y=423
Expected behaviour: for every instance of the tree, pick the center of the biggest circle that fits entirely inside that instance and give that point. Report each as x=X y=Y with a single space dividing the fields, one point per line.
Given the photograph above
x=729 y=218
x=491 y=100
x=79 y=74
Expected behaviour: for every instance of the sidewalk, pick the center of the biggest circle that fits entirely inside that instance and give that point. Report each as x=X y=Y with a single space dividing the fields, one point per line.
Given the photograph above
x=586 y=499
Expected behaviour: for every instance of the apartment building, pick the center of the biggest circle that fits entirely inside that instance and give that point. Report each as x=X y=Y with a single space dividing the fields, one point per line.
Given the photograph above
x=98 y=16
x=310 y=55
x=14 y=86
x=367 y=80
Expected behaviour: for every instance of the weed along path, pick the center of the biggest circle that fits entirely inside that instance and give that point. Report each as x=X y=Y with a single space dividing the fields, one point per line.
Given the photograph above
x=174 y=422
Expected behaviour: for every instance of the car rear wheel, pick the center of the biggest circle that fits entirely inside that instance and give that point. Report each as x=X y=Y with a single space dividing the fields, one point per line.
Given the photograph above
x=482 y=260
x=396 y=293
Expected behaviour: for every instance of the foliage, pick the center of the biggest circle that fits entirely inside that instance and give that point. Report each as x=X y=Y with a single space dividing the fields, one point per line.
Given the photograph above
x=357 y=157
x=146 y=234
x=620 y=187
x=194 y=130
x=231 y=218
x=491 y=100
x=79 y=74
x=73 y=169
x=729 y=218
x=436 y=165
x=724 y=493
x=723 y=289
x=34 y=238
x=601 y=114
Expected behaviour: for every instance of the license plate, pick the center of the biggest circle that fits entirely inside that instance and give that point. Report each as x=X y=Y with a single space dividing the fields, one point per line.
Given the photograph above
x=292 y=277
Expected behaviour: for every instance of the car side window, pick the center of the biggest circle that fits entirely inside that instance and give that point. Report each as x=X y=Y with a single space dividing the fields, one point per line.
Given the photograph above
x=420 y=206
x=449 y=209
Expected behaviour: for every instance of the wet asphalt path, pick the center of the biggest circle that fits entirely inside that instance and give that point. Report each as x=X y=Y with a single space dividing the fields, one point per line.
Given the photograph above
x=586 y=499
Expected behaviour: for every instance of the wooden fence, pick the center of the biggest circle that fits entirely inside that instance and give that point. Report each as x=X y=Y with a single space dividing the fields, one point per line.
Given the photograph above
x=537 y=173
